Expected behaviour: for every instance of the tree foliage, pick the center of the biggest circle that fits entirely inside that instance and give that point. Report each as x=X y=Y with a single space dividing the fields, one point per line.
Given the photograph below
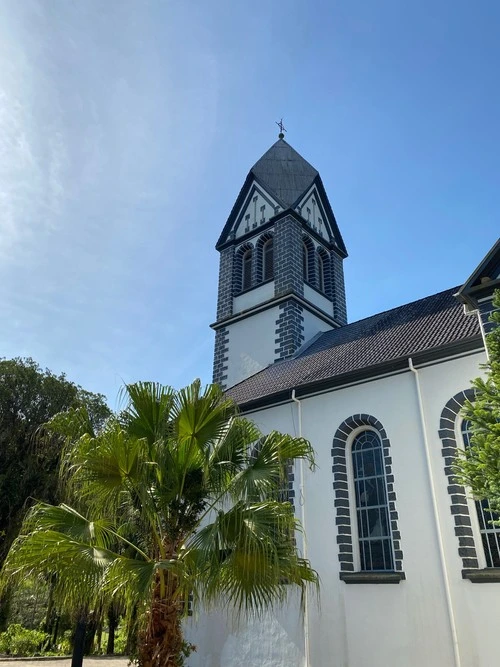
x=479 y=467
x=177 y=498
x=29 y=397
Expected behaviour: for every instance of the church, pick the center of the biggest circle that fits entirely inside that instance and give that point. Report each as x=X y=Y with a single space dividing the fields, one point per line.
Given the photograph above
x=408 y=561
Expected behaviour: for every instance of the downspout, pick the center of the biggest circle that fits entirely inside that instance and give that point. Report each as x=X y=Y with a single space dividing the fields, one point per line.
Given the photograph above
x=444 y=570
x=483 y=332
x=304 y=538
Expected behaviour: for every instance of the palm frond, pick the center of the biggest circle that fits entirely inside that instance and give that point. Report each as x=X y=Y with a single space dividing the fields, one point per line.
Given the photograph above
x=247 y=555
x=147 y=412
x=230 y=452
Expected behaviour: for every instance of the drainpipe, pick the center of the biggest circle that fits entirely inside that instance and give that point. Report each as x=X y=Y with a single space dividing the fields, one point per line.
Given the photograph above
x=444 y=569
x=483 y=332
x=304 y=541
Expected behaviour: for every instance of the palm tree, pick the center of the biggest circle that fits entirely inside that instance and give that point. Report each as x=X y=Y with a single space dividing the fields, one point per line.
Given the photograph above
x=199 y=489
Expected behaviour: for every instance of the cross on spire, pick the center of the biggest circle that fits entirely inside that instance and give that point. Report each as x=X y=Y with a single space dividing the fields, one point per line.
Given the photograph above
x=281 y=135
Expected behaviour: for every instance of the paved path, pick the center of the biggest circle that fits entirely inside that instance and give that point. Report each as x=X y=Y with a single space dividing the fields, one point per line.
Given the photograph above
x=87 y=662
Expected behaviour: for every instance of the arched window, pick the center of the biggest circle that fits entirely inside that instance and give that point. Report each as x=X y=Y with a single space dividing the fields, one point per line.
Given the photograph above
x=321 y=273
x=490 y=533
x=246 y=281
x=268 y=260
x=308 y=260
x=372 y=510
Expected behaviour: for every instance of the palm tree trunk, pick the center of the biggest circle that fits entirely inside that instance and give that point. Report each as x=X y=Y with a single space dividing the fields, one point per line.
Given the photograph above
x=160 y=645
x=79 y=641
x=112 y=623
x=5 y=603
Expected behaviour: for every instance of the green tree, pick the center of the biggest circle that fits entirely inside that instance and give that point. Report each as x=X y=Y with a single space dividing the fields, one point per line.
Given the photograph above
x=479 y=466
x=199 y=487
x=29 y=397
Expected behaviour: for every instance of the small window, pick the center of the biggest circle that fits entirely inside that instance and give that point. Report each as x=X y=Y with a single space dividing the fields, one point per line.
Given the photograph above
x=321 y=273
x=247 y=270
x=268 y=260
x=372 y=512
x=305 y=261
x=490 y=533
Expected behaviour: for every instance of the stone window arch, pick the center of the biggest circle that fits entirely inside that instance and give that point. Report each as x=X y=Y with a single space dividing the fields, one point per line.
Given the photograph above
x=453 y=434
x=345 y=502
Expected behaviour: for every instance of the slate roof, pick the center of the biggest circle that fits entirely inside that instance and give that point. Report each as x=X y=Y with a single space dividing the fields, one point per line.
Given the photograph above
x=368 y=347
x=285 y=173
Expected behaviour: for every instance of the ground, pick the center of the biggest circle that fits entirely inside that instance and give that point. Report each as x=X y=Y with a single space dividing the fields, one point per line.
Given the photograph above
x=93 y=661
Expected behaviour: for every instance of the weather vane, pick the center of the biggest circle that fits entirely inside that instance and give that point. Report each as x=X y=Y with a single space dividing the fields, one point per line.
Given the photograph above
x=281 y=135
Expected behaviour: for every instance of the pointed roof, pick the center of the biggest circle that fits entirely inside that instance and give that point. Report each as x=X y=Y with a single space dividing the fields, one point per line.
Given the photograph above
x=284 y=173
x=287 y=177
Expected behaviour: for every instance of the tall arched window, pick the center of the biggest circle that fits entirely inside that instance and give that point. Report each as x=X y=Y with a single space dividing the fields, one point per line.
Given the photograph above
x=268 y=260
x=490 y=533
x=372 y=511
x=246 y=281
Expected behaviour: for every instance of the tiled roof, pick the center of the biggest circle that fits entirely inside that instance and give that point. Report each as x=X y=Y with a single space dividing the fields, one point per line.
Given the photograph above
x=396 y=334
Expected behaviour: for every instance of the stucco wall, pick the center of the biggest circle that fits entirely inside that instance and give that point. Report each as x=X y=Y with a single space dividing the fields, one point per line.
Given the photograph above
x=251 y=345
x=318 y=300
x=253 y=297
x=366 y=624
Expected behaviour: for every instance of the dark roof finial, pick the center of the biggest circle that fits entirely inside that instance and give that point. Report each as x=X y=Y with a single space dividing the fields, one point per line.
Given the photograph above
x=281 y=135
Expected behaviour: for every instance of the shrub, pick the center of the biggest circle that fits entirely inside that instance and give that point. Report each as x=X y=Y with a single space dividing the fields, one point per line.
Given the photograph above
x=21 y=641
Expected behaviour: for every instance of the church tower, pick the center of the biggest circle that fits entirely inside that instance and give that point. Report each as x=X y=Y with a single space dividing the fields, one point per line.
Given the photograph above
x=281 y=277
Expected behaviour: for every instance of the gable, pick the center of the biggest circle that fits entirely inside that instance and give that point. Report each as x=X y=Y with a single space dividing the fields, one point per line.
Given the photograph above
x=312 y=210
x=257 y=208
x=483 y=280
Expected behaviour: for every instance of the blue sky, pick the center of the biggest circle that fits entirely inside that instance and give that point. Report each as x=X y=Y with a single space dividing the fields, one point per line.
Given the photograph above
x=127 y=129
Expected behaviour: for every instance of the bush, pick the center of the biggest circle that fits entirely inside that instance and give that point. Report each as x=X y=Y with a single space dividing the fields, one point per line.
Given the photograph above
x=21 y=641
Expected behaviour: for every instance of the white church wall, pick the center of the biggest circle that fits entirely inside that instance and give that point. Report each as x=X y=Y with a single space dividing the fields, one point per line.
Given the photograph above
x=476 y=607
x=272 y=640
x=318 y=300
x=251 y=346
x=253 y=297
x=384 y=625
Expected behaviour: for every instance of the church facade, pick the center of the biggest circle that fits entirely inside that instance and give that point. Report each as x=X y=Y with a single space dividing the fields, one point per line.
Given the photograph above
x=409 y=563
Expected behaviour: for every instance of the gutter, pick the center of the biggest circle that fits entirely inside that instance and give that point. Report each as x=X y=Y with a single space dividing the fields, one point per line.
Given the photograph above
x=367 y=374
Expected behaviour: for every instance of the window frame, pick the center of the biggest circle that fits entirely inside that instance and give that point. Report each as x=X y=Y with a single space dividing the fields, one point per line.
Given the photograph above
x=353 y=506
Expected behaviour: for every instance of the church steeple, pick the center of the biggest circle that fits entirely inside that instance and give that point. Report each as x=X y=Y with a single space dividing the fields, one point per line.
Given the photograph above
x=281 y=276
